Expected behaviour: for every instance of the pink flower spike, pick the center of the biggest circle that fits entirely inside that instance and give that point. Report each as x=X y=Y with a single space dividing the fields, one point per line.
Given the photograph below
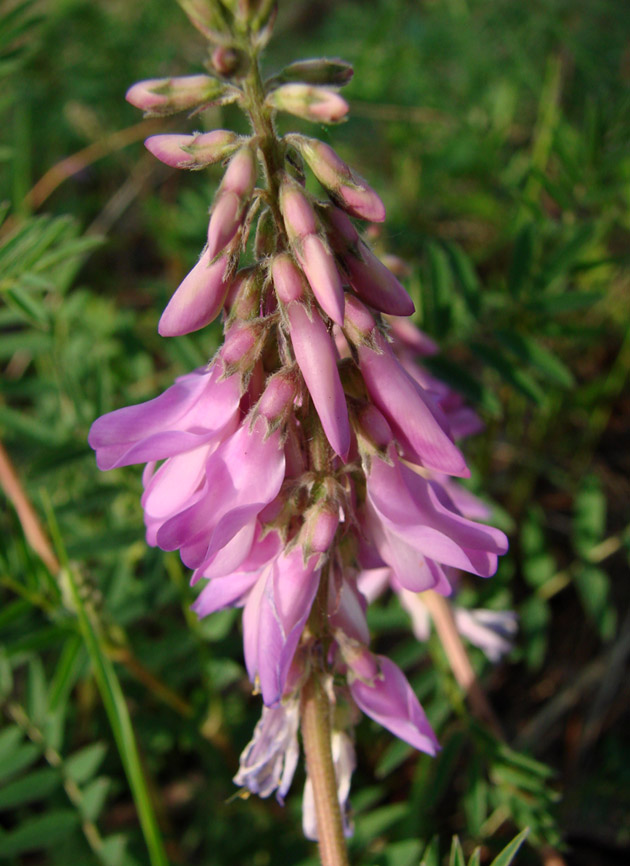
x=198 y=299
x=391 y=702
x=273 y=619
x=321 y=272
x=317 y=359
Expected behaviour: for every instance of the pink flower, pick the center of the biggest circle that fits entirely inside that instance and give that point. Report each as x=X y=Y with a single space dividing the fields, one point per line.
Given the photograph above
x=388 y=698
x=417 y=515
x=273 y=619
x=196 y=411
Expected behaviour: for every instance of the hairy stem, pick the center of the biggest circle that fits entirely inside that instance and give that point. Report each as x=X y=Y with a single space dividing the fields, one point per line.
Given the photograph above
x=317 y=748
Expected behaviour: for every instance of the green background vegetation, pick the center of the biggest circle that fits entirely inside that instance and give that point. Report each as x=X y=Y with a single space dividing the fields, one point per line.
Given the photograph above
x=497 y=133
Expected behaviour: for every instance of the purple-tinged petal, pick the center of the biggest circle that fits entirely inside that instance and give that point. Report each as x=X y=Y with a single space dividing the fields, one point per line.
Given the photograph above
x=490 y=630
x=198 y=300
x=391 y=702
x=317 y=359
x=274 y=618
x=195 y=410
x=321 y=272
x=269 y=760
x=230 y=557
x=224 y=592
x=242 y=476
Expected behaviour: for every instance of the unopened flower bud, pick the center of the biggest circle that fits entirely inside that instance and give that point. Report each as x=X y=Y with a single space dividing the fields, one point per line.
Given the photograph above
x=299 y=216
x=206 y=18
x=198 y=299
x=287 y=279
x=321 y=70
x=232 y=199
x=277 y=397
x=318 y=104
x=229 y=62
x=161 y=96
x=350 y=190
x=193 y=151
x=358 y=324
x=320 y=525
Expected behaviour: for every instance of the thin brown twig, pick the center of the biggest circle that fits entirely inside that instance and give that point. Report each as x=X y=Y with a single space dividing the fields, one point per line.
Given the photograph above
x=80 y=160
x=39 y=541
x=35 y=535
x=463 y=671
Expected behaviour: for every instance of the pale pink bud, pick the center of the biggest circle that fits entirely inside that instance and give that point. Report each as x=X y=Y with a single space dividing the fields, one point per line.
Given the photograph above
x=351 y=191
x=240 y=340
x=321 y=272
x=198 y=299
x=287 y=279
x=192 y=151
x=298 y=214
x=318 y=104
x=376 y=284
x=359 y=324
x=317 y=359
x=161 y=96
x=232 y=199
x=277 y=397
x=320 y=525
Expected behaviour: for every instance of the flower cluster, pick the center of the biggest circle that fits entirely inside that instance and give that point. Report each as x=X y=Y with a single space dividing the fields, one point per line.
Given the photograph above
x=311 y=463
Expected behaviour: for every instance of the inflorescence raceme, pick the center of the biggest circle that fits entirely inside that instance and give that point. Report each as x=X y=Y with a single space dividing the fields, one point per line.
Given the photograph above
x=310 y=464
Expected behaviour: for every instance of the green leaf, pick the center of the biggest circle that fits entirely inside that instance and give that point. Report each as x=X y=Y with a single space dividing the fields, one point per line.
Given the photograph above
x=83 y=764
x=521 y=264
x=37 y=691
x=565 y=302
x=378 y=821
x=118 y=714
x=6 y=675
x=113 y=850
x=442 y=288
x=509 y=371
x=431 y=855
x=510 y=851
x=475 y=858
x=94 y=797
x=38 y=833
x=564 y=259
x=466 y=275
x=456 y=857
x=531 y=352
x=13 y=763
x=593 y=585
x=30 y=788
x=589 y=522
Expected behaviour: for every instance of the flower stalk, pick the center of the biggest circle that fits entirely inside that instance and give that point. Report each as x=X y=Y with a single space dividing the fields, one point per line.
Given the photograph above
x=316 y=711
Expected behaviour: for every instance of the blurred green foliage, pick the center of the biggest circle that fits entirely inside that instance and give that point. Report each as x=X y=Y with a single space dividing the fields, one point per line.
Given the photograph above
x=497 y=134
